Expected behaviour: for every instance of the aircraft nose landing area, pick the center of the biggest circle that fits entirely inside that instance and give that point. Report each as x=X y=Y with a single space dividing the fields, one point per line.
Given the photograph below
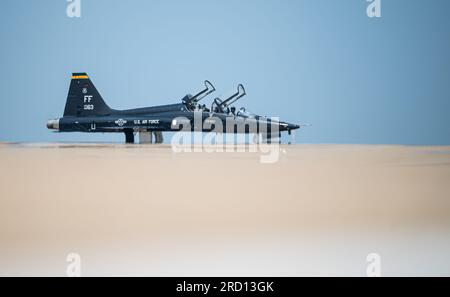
x=145 y=210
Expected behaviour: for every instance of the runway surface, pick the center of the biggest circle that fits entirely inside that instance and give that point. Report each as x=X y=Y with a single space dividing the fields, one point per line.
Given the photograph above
x=147 y=210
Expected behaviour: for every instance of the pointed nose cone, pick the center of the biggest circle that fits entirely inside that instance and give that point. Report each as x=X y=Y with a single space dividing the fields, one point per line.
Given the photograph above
x=284 y=126
x=293 y=127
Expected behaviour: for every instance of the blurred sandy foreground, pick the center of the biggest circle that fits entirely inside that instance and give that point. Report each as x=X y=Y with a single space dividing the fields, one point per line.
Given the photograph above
x=145 y=210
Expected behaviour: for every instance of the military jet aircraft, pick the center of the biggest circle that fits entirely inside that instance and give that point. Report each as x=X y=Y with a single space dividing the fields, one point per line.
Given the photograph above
x=86 y=111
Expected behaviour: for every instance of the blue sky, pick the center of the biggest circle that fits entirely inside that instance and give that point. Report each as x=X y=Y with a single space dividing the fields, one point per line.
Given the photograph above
x=324 y=62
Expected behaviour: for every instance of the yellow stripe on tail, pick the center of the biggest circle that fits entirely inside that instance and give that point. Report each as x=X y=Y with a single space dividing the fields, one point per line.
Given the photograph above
x=80 y=77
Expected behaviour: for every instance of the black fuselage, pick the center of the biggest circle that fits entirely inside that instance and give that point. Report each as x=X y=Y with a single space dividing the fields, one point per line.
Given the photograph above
x=163 y=120
x=86 y=111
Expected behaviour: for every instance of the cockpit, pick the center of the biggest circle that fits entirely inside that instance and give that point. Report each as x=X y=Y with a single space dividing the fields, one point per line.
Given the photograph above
x=224 y=105
x=191 y=102
x=219 y=105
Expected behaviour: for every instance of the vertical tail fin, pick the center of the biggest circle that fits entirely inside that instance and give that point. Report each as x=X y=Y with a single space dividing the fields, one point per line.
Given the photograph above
x=83 y=99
